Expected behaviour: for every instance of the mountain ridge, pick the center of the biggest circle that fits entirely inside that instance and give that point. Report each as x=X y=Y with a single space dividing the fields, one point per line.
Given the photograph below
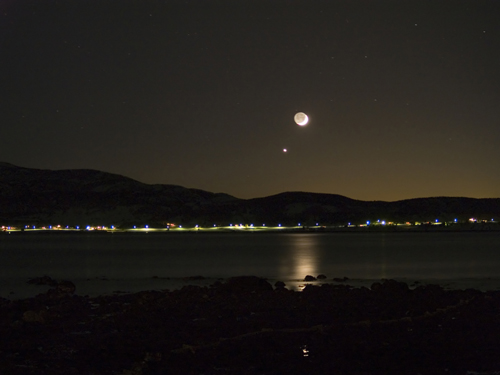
x=86 y=196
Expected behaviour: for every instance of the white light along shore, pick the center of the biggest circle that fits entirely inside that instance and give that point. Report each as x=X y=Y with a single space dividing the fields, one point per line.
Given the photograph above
x=471 y=224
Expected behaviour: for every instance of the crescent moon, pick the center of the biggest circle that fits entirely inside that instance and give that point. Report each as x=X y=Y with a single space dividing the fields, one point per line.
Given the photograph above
x=301 y=119
x=306 y=120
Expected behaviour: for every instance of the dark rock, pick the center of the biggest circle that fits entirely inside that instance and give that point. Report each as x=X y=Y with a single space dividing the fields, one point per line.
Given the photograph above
x=310 y=288
x=65 y=286
x=247 y=284
x=391 y=287
x=206 y=330
x=309 y=278
x=44 y=280
x=280 y=285
x=340 y=280
x=31 y=316
x=321 y=277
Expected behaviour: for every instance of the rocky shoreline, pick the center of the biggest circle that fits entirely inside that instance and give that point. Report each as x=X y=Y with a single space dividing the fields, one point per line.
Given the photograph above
x=245 y=325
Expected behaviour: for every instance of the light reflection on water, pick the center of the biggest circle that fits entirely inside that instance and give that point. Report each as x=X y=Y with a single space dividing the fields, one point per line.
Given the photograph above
x=303 y=259
x=285 y=257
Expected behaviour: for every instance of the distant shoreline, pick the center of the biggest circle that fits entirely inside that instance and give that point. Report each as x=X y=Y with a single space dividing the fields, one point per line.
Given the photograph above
x=493 y=227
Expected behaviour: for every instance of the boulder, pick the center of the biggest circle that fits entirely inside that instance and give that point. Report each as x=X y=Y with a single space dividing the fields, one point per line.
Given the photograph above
x=66 y=287
x=247 y=284
x=390 y=286
x=279 y=285
x=44 y=280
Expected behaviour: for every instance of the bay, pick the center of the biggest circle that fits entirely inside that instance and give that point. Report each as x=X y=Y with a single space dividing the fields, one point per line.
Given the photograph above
x=103 y=263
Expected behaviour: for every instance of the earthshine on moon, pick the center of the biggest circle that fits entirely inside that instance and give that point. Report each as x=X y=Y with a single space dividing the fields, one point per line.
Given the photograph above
x=301 y=118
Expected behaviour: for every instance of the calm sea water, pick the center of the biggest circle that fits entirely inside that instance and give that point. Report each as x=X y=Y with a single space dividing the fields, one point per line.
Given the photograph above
x=288 y=257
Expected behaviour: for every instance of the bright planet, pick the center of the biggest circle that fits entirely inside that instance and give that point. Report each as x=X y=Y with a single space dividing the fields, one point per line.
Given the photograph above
x=301 y=118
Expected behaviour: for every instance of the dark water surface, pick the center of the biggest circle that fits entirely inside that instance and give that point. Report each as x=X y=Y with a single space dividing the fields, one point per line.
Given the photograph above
x=419 y=256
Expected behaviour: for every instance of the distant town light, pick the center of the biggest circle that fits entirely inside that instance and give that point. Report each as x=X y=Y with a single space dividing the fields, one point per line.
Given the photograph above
x=279 y=225
x=368 y=223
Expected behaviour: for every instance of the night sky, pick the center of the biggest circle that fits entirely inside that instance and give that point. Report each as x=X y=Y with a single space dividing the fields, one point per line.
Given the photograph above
x=403 y=96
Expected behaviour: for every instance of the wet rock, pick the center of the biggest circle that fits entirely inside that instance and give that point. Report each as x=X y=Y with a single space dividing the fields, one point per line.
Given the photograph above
x=246 y=284
x=44 y=280
x=66 y=286
x=321 y=277
x=279 y=285
x=340 y=280
x=207 y=330
x=310 y=288
x=309 y=278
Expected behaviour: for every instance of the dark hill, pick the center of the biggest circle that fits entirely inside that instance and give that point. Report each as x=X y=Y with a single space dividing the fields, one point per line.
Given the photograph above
x=81 y=197
x=92 y=197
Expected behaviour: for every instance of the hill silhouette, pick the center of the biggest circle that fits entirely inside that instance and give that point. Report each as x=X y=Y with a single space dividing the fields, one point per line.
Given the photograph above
x=90 y=197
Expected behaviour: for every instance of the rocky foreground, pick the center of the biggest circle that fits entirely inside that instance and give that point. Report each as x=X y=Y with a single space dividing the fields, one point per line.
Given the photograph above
x=245 y=326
